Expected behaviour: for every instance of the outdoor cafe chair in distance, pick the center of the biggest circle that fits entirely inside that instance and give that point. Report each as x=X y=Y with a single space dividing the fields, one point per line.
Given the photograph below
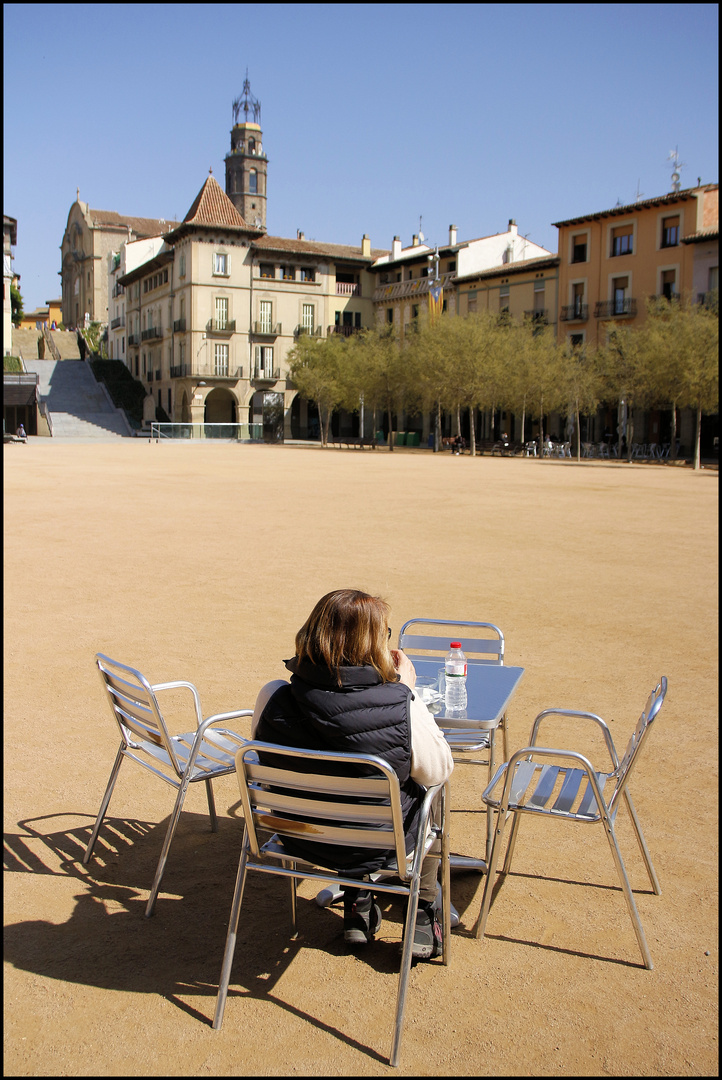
x=420 y=639
x=179 y=760
x=290 y=793
x=527 y=783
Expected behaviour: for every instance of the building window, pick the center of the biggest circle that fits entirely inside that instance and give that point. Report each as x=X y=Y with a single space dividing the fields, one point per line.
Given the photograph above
x=308 y=273
x=471 y=301
x=538 y=296
x=669 y=284
x=579 y=249
x=221 y=312
x=253 y=181
x=576 y=340
x=670 y=231
x=266 y=321
x=451 y=266
x=504 y=297
x=619 y=293
x=307 y=318
x=577 y=299
x=264 y=361
x=220 y=358
x=389 y=314
x=622 y=240
x=267 y=271
x=221 y=264
x=182 y=266
x=169 y=408
x=165 y=276
x=287 y=273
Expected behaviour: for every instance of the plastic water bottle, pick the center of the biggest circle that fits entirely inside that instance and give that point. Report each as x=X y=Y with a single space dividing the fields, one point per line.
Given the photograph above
x=455 y=670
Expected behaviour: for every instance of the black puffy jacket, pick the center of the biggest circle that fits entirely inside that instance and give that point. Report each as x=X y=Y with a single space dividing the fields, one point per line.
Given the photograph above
x=364 y=716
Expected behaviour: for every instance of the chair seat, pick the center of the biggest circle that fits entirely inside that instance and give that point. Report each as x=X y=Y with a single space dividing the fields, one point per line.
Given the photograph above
x=216 y=755
x=534 y=785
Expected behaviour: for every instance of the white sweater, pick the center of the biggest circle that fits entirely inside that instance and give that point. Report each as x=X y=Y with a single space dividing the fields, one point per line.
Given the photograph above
x=431 y=760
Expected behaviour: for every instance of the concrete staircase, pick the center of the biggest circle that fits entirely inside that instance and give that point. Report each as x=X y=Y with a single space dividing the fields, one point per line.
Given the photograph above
x=66 y=342
x=25 y=343
x=78 y=405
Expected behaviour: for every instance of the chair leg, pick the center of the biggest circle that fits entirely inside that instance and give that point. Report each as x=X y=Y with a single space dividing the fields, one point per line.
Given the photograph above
x=292 y=880
x=642 y=844
x=172 y=824
x=504 y=725
x=104 y=805
x=211 y=806
x=231 y=938
x=628 y=895
x=512 y=843
x=480 y=924
x=409 y=927
x=445 y=880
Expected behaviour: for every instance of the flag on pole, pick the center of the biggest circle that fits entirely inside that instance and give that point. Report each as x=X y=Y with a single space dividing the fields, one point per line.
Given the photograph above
x=436 y=301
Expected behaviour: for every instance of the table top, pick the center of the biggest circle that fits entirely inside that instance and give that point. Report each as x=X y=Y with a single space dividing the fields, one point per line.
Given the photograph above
x=489 y=689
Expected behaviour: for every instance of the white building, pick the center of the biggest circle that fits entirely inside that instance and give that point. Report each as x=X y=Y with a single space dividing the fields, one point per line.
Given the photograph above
x=131 y=254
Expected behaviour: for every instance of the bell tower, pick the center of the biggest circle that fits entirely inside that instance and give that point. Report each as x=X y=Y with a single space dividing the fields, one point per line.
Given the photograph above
x=247 y=164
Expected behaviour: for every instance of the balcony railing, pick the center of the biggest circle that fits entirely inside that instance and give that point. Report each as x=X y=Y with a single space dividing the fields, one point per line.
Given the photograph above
x=607 y=309
x=115 y=323
x=264 y=374
x=152 y=333
x=179 y=326
x=217 y=326
x=311 y=331
x=709 y=299
x=537 y=315
x=574 y=313
x=118 y=289
x=267 y=329
x=133 y=339
x=186 y=371
x=180 y=371
x=345 y=331
x=348 y=288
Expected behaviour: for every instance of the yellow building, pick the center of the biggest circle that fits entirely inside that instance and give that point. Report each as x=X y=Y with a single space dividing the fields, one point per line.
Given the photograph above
x=611 y=261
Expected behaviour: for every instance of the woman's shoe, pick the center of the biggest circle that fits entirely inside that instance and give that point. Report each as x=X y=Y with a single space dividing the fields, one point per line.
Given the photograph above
x=428 y=940
x=361 y=920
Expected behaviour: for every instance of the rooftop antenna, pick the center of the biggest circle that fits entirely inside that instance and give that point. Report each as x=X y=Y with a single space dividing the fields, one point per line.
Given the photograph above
x=640 y=194
x=247 y=102
x=673 y=156
x=421 y=235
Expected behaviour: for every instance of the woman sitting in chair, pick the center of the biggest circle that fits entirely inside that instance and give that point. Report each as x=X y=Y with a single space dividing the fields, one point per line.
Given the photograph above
x=349 y=692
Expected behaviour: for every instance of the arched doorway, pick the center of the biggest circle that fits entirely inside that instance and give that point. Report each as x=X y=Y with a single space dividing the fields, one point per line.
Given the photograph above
x=220 y=407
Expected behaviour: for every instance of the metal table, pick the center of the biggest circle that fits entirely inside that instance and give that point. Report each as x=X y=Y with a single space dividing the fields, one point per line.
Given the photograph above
x=489 y=689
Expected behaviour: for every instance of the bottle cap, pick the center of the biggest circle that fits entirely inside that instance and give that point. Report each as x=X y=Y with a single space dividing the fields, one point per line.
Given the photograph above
x=455 y=644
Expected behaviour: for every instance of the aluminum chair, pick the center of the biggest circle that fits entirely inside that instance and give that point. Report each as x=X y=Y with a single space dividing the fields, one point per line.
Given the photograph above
x=421 y=644
x=180 y=760
x=282 y=794
x=525 y=785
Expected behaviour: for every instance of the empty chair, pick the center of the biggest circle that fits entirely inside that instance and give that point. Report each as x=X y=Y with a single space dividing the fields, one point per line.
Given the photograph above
x=527 y=784
x=179 y=760
x=290 y=792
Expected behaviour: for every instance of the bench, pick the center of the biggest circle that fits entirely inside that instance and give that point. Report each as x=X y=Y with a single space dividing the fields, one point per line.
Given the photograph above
x=352 y=441
x=13 y=438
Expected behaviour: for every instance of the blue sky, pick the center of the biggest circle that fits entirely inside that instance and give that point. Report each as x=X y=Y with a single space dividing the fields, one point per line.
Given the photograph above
x=373 y=115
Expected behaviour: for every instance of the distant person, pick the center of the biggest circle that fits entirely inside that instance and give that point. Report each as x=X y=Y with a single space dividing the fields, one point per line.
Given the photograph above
x=21 y=433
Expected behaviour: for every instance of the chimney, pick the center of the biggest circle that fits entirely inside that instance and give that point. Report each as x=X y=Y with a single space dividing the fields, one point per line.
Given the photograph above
x=366 y=246
x=396 y=248
x=452 y=235
x=512 y=226
x=300 y=235
x=414 y=240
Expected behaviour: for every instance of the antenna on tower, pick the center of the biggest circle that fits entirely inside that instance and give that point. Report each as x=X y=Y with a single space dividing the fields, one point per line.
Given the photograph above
x=421 y=235
x=640 y=194
x=673 y=156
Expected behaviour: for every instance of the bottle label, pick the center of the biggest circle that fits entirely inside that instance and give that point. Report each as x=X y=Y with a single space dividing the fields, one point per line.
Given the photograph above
x=456 y=668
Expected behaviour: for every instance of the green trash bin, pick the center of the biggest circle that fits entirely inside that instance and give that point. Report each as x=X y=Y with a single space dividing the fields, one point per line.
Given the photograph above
x=380 y=437
x=400 y=438
x=412 y=438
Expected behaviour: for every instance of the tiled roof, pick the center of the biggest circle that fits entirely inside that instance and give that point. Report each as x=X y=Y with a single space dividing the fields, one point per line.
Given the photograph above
x=513 y=268
x=660 y=200
x=314 y=247
x=141 y=226
x=712 y=233
x=212 y=206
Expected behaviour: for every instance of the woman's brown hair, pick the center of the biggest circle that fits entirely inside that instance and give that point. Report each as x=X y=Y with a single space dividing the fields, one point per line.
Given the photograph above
x=348 y=628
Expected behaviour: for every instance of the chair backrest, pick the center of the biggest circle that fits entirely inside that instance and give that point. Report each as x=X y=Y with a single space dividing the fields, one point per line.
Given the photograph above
x=135 y=707
x=291 y=792
x=631 y=754
x=430 y=640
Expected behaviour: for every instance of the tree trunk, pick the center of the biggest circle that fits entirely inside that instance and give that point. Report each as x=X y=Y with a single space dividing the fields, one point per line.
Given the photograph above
x=472 y=433
x=673 y=446
x=579 y=433
x=523 y=421
x=630 y=434
x=437 y=428
x=320 y=425
x=391 y=433
x=541 y=427
x=698 y=441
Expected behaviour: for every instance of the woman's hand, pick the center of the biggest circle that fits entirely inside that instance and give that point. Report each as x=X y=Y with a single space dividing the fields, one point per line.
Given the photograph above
x=406 y=670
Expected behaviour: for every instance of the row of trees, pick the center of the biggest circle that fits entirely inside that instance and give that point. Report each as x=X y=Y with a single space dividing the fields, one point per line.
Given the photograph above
x=485 y=362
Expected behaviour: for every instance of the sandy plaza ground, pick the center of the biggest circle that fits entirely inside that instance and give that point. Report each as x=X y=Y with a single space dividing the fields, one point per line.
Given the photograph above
x=200 y=562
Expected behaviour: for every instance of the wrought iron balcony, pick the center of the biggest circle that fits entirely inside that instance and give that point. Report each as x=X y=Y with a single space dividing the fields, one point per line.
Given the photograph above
x=133 y=339
x=311 y=331
x=267 y=329
x=574 y=313
x=537 y=315
x=216 y=326
x=345 y=331
x=607 y=309
x=348 y=288
x=152 y=333
x=264 y=374
x=115 y=323
x=179 y=326
x=180 y=371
